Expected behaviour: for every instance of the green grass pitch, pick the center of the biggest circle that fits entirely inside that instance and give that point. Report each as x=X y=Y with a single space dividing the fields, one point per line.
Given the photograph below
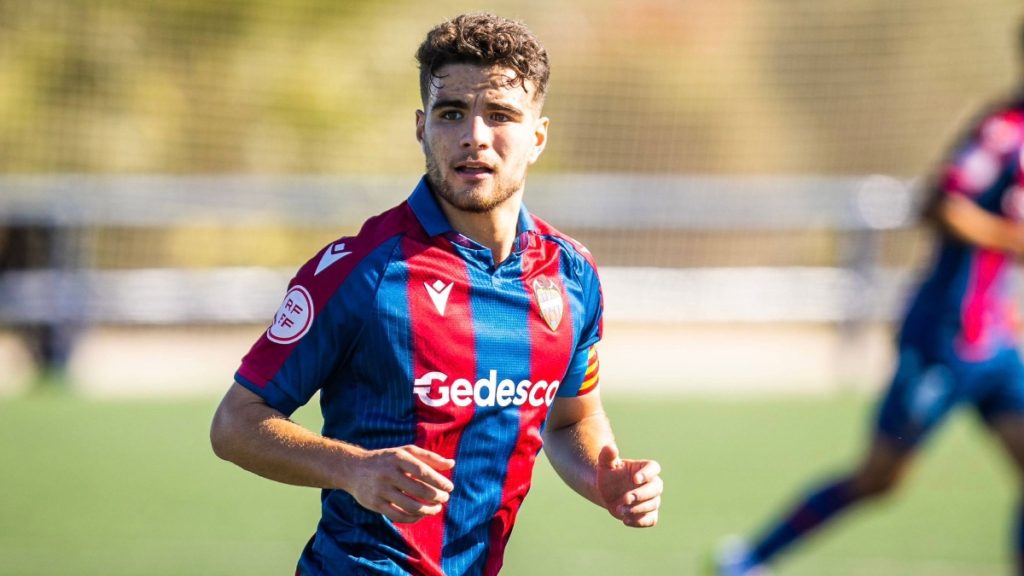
x=131 y=488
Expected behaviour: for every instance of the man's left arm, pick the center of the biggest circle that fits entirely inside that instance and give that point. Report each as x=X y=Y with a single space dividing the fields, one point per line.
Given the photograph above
x=579 y=443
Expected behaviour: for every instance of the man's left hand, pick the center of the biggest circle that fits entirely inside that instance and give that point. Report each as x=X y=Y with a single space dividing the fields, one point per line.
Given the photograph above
x=630 y=489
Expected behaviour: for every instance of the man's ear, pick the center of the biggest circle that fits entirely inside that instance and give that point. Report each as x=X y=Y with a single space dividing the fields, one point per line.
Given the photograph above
x=540 y=135
x=421 y=122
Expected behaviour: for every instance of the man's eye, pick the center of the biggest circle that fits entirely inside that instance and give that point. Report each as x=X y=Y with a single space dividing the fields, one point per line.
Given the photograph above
x=451 y=115
x=499 y=117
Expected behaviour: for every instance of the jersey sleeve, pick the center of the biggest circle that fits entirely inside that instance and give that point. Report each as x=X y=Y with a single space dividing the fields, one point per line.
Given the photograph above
x=582 y=376
x=314 y=329
x=981 y=158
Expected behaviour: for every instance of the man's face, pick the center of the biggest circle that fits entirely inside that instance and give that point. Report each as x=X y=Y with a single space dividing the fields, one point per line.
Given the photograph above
x=479 y=134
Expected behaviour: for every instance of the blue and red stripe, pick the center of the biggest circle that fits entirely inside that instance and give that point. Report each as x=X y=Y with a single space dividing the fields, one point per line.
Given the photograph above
x=549 y=352
x=438 y=429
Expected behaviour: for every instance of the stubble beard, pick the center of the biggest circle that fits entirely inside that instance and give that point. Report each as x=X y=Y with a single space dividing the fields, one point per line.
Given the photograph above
x=475 y=200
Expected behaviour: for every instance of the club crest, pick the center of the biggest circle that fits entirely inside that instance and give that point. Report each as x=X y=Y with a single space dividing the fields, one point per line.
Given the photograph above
x=549 y=298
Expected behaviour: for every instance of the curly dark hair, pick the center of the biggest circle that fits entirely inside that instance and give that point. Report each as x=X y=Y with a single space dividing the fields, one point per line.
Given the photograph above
x=484 y=40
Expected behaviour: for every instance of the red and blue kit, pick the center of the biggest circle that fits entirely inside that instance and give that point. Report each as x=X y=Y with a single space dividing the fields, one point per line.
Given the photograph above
x=412 y=335
x=958 y=341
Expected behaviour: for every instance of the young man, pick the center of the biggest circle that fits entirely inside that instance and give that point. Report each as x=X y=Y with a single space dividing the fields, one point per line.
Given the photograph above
x=448 y=340
x=957 y=344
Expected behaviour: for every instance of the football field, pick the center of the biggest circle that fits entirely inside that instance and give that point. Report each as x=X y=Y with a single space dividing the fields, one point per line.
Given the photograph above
x=92 y=487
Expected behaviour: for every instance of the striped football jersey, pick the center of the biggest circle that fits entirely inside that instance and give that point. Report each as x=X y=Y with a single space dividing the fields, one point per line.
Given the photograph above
x=965 y=303
x=412 y=335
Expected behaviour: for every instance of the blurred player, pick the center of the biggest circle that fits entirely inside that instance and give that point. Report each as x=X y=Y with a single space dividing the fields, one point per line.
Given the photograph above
x=957 y=343
x=448 y=340
x=34 y=247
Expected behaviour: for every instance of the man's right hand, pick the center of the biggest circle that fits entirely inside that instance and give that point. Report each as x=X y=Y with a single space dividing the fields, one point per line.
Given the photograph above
x=404 y=484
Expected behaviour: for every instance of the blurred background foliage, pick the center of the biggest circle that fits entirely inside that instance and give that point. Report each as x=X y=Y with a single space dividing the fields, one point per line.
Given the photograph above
x=647 y=86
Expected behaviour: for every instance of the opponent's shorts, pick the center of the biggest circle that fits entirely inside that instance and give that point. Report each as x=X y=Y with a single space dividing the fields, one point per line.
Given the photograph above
x=925 y=388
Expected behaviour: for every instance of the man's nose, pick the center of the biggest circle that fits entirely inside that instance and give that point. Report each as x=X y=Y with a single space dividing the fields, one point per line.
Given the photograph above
x=478 y=134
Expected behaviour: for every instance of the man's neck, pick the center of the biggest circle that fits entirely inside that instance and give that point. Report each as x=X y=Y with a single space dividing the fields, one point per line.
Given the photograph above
x=495 y=229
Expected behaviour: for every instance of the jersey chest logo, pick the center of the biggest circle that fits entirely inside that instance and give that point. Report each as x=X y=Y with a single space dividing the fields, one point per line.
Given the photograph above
x=549 y=299
x=437 y=389
x=439 y=292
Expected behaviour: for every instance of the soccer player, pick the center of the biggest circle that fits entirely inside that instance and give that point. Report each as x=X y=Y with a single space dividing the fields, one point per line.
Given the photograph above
x=449 y=339
x=957 y=344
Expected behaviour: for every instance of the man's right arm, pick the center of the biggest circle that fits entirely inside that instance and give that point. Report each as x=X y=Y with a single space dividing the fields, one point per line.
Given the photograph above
x=972 y=224
x=403 y=483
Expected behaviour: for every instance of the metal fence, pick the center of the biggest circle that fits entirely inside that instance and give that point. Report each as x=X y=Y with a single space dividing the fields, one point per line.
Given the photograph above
x=65 y=285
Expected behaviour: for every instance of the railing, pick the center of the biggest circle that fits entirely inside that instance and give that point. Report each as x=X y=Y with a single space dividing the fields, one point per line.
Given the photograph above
x=64 y=287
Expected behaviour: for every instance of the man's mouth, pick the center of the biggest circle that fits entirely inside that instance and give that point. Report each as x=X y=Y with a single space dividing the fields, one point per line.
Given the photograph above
x=474 y=168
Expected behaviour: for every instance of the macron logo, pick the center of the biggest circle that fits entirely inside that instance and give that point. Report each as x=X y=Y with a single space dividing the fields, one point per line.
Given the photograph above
x=331 y=255
x=439 y=292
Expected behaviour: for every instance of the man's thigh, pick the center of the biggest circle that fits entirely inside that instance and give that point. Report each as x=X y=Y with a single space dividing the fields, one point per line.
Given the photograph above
x=922 y=392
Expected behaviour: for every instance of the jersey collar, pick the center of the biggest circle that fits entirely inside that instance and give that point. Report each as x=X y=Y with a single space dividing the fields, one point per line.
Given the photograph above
x=427 y=211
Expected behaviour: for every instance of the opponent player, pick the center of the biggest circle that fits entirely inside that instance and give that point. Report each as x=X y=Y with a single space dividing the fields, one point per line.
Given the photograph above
x=448 y=340
x=957 y=344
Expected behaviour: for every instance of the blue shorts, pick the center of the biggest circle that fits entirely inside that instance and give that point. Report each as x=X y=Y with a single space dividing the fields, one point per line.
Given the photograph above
x=927 y=387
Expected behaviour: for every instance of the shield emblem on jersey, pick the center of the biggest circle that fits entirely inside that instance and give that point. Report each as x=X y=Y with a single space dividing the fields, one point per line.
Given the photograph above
x=549 y=298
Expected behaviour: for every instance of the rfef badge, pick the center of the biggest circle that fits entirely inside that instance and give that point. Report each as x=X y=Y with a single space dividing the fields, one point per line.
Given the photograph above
x=293 y=318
